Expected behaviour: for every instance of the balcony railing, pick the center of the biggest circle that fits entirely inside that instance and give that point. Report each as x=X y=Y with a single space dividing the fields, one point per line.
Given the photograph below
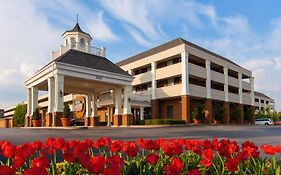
x=80 y=47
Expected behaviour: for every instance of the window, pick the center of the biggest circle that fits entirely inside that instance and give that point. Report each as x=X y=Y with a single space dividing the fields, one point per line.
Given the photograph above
x=72 y=42
x=170 y=111
x=82 y=42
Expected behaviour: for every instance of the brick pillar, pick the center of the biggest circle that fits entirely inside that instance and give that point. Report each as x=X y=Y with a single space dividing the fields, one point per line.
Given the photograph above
x=57 y=116
x=154 y=109
x=94 y=121
x=86 y=121
x=117 y=120
x=209 y=110
x=127 y=119
x=49 y=119
x=226 y=116
x=185 y=108
x=241 y=118
x=253 y=117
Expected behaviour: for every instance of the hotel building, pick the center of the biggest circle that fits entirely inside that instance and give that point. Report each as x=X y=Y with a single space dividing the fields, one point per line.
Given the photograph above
x=166 y=82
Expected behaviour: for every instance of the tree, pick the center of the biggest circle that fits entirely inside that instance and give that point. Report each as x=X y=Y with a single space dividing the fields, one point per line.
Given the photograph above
x=19 y=114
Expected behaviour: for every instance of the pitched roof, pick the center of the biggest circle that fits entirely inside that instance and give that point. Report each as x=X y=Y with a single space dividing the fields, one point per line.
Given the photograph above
x=82 y=59
x=76 y=28
x=168 y=45
x=261 y=95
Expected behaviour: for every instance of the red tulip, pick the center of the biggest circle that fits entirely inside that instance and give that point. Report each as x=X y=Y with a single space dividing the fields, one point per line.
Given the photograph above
x=8 y=150
x=152 y=158
x=18 y=161
x=97 y=164
x=232 y=164
x=36 y=170
x=193 y=172
x=268 y=149
x=130 y=148
x=115 y=146
x=41 y=162
x=6 y=170
x=174 y=168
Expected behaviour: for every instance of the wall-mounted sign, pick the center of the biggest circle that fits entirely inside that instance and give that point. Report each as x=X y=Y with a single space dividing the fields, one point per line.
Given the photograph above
x=79 y=107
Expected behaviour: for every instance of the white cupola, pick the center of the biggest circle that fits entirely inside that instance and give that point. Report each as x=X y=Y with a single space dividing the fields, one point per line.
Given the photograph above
x=76 y=36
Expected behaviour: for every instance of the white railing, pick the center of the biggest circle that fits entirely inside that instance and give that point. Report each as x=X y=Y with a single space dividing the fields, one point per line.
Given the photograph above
x=80 y=47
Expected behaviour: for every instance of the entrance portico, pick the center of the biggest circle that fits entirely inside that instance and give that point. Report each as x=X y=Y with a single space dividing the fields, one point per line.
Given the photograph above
x=79 y=71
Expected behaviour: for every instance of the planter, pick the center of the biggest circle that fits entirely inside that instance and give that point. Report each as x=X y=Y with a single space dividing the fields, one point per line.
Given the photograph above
x=36 y=123
x=65 y=122
x=195 y=121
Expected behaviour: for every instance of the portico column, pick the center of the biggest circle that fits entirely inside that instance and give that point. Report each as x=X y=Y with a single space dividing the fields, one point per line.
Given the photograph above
x=240 y=92
x=51 y=99
x=59 y=94
x=226 y=115
x=259 y=105
x=185 y=106
x=28 y=112
x=141 y=113
x=127 y=117
x=117 y=117
x=109 y=116
x=264 y=106
x=88 y=111
x=209 y=106
x=34 y=100
x=94 y=120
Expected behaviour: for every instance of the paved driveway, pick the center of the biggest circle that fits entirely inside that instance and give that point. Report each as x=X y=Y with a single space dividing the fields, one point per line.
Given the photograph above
x=258 y=134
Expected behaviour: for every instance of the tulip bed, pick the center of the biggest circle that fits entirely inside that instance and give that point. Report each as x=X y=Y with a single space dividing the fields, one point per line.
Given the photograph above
x=161 y=156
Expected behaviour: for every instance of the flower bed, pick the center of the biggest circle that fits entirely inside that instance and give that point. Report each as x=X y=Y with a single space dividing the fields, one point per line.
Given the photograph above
x=114 y=157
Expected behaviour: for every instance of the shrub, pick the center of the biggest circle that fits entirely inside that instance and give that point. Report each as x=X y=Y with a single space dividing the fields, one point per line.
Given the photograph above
x=163 y=122
x=19 y=114
x=36 y=115
x=66 y=111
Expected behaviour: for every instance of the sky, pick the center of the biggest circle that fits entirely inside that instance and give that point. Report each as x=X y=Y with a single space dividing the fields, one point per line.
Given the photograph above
x=247 y=32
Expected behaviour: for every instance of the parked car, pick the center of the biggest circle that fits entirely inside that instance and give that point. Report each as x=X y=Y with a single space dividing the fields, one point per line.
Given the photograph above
x=76 y=122
x=264 y=121
x=278 y=122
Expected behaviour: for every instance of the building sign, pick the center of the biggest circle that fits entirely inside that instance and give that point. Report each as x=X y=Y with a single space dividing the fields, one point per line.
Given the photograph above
x=79 y=107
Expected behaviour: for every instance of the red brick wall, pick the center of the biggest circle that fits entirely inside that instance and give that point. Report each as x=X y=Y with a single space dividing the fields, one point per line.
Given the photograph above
x=163 y=104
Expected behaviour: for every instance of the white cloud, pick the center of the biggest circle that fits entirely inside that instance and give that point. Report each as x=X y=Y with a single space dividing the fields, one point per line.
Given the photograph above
x=100 y=30
x=134 y=13
x=277 y=63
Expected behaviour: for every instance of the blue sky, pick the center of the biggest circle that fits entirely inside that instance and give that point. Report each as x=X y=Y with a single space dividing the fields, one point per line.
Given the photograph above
x=247 y=32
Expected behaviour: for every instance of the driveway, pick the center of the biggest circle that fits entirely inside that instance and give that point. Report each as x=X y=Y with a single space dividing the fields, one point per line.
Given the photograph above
x=258 y=134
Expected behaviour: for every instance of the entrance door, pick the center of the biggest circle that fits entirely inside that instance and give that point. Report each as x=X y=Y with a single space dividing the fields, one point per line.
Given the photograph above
x=170 y=111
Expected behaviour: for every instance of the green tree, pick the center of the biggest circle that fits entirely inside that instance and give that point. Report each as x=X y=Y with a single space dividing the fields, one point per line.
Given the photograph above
x=19 y=114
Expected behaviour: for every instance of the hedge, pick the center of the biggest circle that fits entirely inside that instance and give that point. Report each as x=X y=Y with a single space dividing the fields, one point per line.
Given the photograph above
x=162 y=122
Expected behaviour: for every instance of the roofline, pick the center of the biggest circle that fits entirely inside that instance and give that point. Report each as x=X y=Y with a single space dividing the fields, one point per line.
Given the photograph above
x=262 y=94
x=170 y=44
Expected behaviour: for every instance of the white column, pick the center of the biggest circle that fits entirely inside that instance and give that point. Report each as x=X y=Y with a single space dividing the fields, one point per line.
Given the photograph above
x=109 y=116
x=88 y=106
x=226 y=95
x=51 y=94
x=252 y=94
x=184 y=73
x=264 y=105
x=141 y=113
x=94 y=105
x=153 y=80
x=127 y=103
x=240 y=91
x=208 y=80
x=29 y=102
x=34 y=98
x=59 y=92
x=117 y=94
x=269 y=106
x=259 y=104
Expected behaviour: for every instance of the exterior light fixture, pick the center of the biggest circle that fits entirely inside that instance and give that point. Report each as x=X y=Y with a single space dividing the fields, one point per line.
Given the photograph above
x=61 y=94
